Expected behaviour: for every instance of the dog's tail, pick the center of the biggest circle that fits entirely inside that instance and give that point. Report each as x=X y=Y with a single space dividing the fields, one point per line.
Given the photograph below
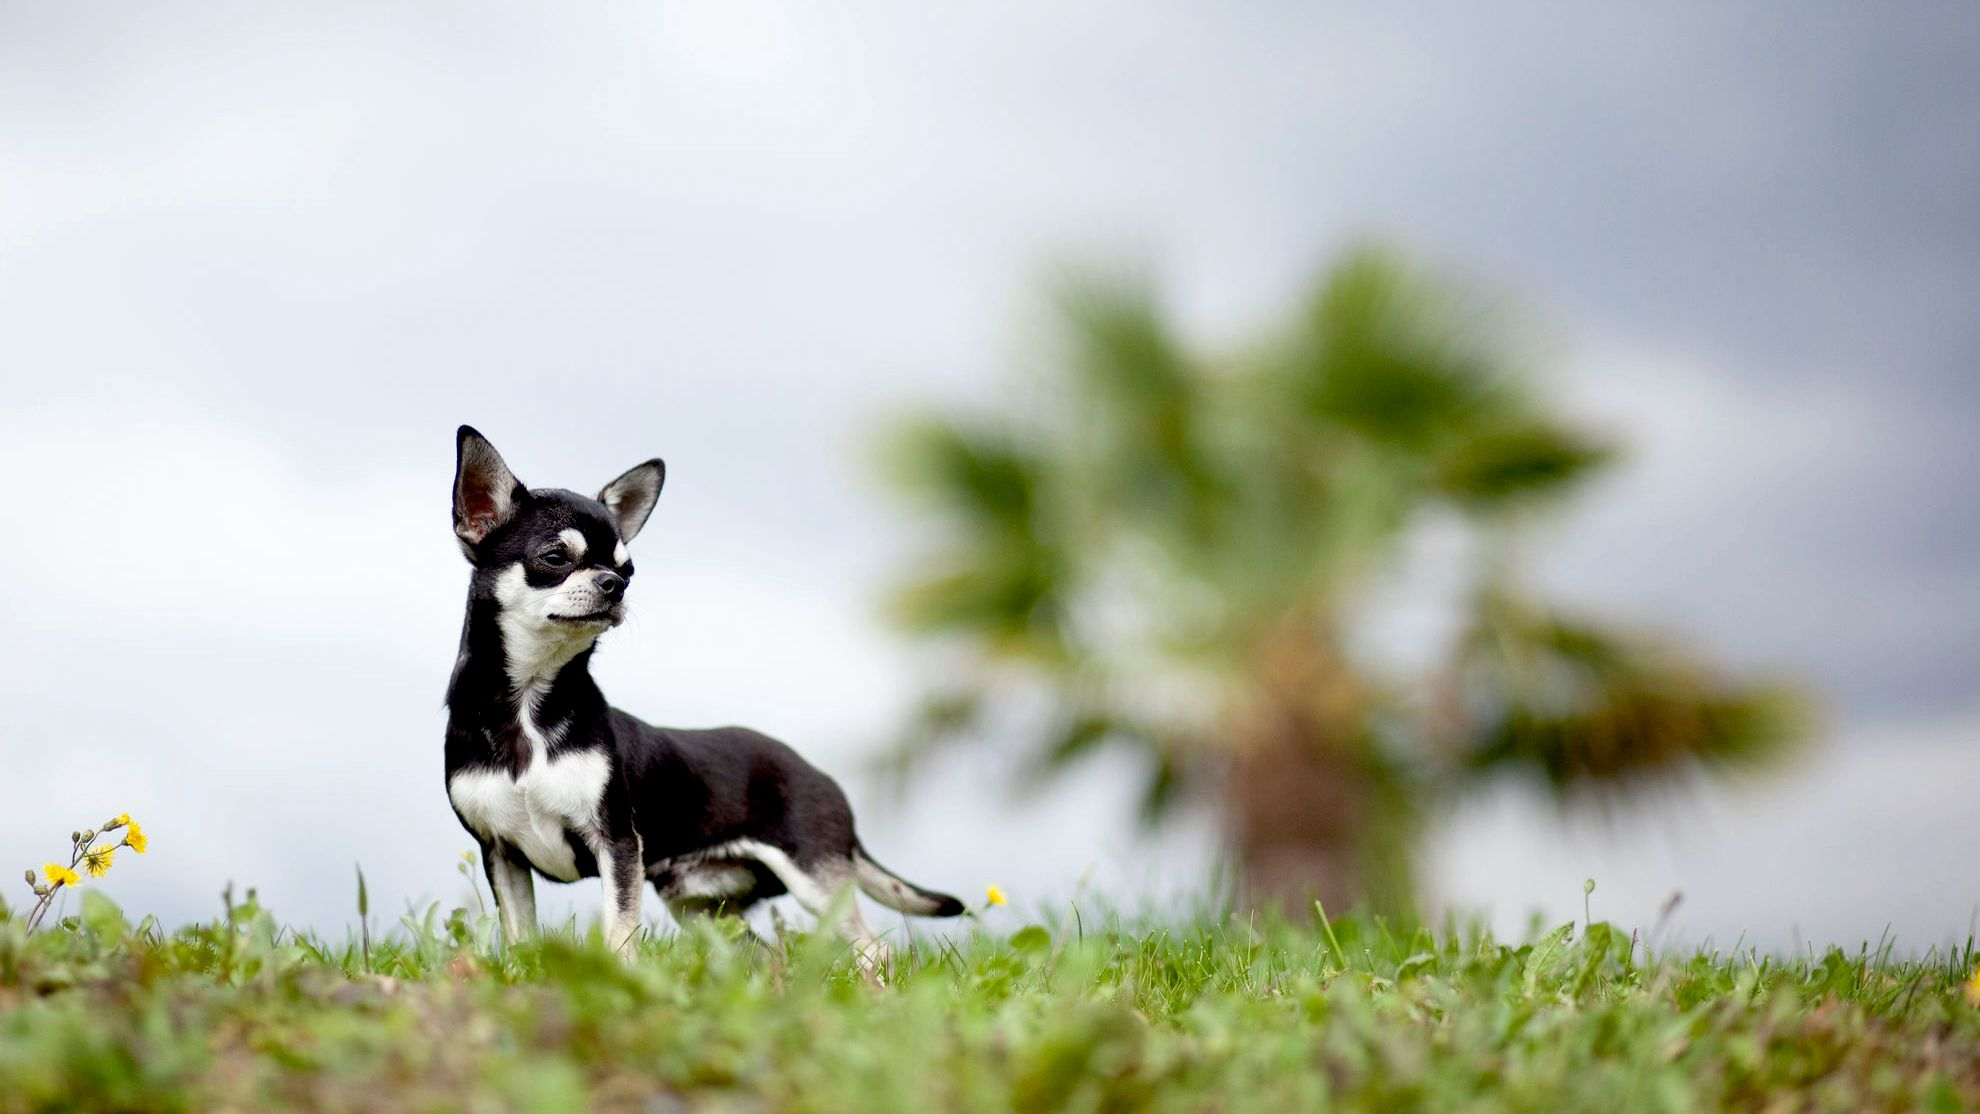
x=895 y=892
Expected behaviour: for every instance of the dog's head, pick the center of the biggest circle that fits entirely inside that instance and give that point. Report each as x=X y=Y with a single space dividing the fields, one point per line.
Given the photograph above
x=554 y=561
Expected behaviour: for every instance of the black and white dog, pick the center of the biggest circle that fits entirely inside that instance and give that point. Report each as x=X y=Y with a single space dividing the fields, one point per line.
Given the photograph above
x=550 y=778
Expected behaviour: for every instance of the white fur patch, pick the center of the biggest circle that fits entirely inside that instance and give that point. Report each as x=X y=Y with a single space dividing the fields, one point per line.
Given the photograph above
x=531 y=813
x=811 y=891
x=714 y=880
x=537 y=645
x=574 y=542
x=619 y=554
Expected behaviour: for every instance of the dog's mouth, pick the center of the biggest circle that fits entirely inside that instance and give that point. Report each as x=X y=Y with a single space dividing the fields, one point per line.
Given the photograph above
x=605 y=616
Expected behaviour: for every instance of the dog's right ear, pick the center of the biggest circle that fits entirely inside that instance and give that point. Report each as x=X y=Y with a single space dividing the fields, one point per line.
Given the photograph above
x=486 y=493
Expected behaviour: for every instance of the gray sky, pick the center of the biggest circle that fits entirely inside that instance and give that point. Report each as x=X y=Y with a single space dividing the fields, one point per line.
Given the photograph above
x=256 y=263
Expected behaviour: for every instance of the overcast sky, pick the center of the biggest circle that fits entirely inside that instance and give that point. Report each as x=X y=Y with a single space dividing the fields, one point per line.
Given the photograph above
x=257 y=261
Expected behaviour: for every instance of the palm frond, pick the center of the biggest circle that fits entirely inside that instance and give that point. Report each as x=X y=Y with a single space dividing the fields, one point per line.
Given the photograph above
x=1118 y=341
x=1080 y=733
x=978 y=471
x=1001 y=593
x=1516 y=465
x=1139 y=413
x=1397 y=356
x=1596 y=710
x=996 y=567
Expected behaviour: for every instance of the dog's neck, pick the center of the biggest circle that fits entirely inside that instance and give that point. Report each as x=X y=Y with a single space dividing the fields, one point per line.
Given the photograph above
x=534 y=656
x=509 y=670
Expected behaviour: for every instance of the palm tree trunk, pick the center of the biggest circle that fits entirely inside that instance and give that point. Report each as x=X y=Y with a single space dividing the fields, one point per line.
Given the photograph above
x=1298 y=810
x=1310 y=809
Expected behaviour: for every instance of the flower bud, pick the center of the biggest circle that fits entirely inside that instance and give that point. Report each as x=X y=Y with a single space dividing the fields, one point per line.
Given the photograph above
x=88 y=834
x=75 y=837
x=30 y=877
x=40 y=890
x=111 y=825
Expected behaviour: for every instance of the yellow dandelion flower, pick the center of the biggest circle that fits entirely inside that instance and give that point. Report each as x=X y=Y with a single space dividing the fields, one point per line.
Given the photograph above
x=96 y=860
x=1973 y=988
x=993 y=897
x=59 y=875
x=123 y=820
x=135 y=838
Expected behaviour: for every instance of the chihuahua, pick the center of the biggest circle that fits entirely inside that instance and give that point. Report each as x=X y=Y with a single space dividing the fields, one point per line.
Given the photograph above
x=551 y=780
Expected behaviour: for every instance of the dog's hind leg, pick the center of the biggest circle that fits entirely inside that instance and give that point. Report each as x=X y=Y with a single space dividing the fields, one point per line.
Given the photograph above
x=826 y=890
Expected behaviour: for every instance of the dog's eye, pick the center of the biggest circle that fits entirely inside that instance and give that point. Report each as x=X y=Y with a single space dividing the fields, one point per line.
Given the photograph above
x=554 y=558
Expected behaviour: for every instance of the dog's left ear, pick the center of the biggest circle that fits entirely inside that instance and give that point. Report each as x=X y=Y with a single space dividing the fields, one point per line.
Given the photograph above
x=630 y=498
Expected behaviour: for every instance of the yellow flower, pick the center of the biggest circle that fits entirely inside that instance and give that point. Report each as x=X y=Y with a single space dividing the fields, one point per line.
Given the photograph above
x=1973 y=988
x=123 y=820
x=993 y=897
x=59 y=875
x=96 y=860
x=135 y=838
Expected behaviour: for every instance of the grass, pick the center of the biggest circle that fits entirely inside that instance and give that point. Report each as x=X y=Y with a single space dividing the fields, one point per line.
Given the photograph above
x=1092 y=1014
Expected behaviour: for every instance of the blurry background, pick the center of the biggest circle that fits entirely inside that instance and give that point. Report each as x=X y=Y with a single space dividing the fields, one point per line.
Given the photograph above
x=257 y=263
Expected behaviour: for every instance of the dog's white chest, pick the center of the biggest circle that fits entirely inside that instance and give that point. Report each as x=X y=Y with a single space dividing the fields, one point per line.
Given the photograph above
x=533 y=812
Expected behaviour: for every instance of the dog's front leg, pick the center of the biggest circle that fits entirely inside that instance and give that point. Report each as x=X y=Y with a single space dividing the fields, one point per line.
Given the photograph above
x=622 y=868
x=515 y=891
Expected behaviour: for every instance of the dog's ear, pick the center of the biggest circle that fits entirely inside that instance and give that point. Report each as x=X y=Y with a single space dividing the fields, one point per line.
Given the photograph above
x=630 y=498
x=485 y=491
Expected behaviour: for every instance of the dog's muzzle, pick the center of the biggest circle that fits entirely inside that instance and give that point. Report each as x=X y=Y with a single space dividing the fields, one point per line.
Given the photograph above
x=607 y=616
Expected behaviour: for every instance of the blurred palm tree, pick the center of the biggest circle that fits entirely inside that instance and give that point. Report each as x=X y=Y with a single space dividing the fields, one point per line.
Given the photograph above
x=1170 y=554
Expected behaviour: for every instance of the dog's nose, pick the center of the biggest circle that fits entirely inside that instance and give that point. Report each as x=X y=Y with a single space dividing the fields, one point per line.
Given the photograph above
x=608 y=583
